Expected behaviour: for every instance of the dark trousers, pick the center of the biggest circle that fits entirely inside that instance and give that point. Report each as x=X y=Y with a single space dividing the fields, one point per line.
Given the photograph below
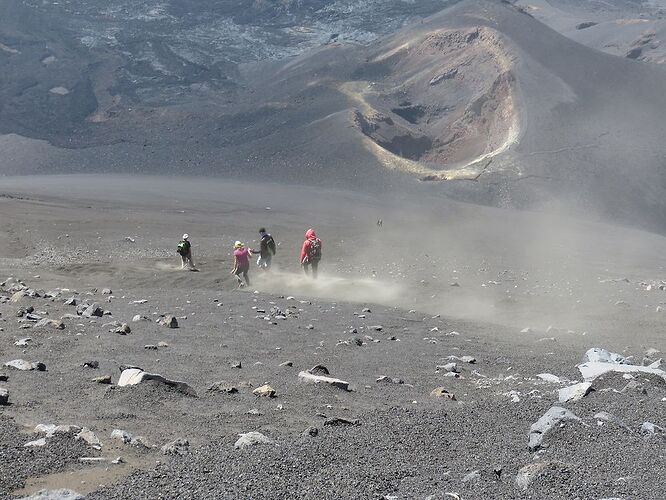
x=243 y=271
x=314 y=264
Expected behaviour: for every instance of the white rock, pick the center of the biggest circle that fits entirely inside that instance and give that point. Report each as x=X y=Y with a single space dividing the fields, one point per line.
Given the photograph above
x=592 y=370
x=89 y=437
x=552 y=418
x=35 y=443
x=62 y=494
x=602 y=355
x=549 y=377
x=251 y=439
x=320 y=379
x=121 y=435
x=134 y=376
x=574 y=392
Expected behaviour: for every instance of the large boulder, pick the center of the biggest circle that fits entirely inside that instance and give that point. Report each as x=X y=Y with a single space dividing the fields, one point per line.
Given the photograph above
x=552 y=418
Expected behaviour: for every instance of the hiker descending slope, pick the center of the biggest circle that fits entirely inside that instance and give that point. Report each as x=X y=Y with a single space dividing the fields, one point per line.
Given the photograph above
x=266 y=250
x=241 y=263
x=185 y=252
x=311 y=252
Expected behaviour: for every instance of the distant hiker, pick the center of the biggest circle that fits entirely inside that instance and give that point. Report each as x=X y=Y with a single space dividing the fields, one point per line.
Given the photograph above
x=380 y=223
x=266 y=250
x=311 y=252
x=185 y=252
x=241 y=263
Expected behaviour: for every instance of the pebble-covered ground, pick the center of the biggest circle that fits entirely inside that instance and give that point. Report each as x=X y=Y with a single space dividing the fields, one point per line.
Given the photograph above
x=448 y=350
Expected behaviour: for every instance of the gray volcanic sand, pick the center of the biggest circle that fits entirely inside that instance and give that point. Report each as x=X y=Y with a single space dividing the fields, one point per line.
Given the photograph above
x=595 y=285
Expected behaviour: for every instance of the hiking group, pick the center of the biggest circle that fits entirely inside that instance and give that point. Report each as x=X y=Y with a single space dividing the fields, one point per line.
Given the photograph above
x=309 y=258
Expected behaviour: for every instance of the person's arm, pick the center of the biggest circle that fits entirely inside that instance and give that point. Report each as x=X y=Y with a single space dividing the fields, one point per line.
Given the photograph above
x=304 y=250
x=233 y=271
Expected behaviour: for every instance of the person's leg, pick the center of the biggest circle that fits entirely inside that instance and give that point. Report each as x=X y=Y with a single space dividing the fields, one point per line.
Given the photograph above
x=247 y=278
x=267 y=262
x=238 y=277
x=315 y=268
x=306 y=269
x=183 y=259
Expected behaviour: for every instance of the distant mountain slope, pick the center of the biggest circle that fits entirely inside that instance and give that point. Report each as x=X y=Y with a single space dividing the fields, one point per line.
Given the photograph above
x=480 y=101
x=635 y=29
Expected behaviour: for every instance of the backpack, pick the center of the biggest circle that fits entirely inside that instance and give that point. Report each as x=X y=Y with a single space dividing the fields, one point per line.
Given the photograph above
x=314 y=250
x=183 y=247
x=271 y=245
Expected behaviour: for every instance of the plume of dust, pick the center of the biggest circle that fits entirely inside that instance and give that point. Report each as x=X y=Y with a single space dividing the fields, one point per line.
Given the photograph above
x=361 y=290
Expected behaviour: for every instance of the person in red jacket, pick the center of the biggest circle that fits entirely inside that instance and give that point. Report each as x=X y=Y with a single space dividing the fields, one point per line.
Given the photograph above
x=311 y=252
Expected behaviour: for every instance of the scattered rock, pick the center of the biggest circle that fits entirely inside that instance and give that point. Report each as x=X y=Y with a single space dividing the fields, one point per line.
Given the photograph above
x=62 y=494
x=473 y=476
x=318 y=370
x=223 y=386
x=265 y=391
x=177 y=447
x=150 y=347
x=134 y=376
x=648 y=429
x=53 y=323
x=106 y=291
x=23 y=365
x=91 y=364
x=72 y=301
x=527 y=474
x=89 y=437
x=168 y=321
x=311 y=432
x=104 y=379
x=441 y=392
x=123 y=329
x=4 y=396
x=287 y=363
x=549 y=377
x=121 y=435
x=23 y=342
x=449 y=367
x=389 y=380
x=605 y=417
x=321 y=379
x=336 y=421
x=251 y=439
x=35 y=443
x=51 y=429
x=553 y=417
x=574 y=392
x=93 y=310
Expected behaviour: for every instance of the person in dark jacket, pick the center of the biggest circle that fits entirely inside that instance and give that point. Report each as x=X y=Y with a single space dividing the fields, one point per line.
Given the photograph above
x=266 y=250
x=311 y=252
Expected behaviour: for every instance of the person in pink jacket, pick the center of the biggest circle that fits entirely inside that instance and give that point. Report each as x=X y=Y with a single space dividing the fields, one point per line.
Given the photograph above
x=311 y=252
x=241 y=263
